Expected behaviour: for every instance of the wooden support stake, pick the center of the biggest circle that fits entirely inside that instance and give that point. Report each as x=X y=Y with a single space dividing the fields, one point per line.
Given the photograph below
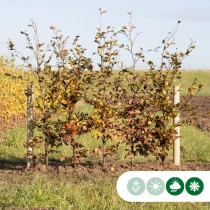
x=30 y=119
x=176 y=119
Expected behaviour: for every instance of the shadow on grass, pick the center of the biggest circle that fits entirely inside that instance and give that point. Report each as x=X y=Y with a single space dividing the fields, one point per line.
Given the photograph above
x=16 y=163
x=12 y=163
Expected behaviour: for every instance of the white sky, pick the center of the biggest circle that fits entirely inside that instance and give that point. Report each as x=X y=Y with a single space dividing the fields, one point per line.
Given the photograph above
x=154 y=18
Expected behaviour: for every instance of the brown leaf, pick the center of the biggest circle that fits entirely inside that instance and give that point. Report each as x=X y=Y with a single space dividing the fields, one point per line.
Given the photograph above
x=129 y=143
x=52 y=27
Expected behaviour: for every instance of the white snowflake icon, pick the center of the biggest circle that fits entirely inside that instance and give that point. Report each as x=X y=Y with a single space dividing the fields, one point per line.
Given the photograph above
x=194 y=186
x=136 y=183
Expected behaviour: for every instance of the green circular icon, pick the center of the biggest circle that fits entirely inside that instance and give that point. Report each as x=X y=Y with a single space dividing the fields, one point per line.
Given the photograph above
x=136 y=186
x=155 y=186
x=194 y=186
x=175 y=186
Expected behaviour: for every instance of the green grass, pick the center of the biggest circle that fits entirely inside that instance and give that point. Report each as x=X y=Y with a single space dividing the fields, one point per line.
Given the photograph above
x=94 y=192
x=194 y=144
x=188 y=77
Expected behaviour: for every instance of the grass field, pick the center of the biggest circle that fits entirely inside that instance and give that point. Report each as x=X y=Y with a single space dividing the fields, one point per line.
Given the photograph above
x=86 y=193
x=202 y=76
x=63 y=193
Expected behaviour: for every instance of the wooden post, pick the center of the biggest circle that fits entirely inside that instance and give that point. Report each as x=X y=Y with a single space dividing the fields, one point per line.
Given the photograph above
x=176 y=119
x=30 y=119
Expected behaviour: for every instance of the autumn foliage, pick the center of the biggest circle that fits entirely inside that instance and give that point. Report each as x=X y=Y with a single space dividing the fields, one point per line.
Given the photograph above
x=128 y=108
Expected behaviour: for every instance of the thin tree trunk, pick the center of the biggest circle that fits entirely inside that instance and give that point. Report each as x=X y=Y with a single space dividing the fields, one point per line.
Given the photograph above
x=103 y=152
x=46 y=155
x=30 y=119
x=75 y=164
x=132 y=154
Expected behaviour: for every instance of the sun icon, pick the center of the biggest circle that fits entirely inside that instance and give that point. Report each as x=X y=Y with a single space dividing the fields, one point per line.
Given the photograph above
x=156 y=186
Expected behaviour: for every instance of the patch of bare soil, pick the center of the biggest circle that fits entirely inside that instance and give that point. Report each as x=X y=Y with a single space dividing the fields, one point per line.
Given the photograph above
x=89 y=170
x=85 y=170
x=202 y=119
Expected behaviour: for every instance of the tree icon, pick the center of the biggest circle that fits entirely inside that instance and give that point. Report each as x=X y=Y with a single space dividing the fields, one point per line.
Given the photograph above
x=136 y=186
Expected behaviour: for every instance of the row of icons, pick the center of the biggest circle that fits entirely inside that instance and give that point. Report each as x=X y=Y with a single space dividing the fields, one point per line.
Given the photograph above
x=174 y=186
